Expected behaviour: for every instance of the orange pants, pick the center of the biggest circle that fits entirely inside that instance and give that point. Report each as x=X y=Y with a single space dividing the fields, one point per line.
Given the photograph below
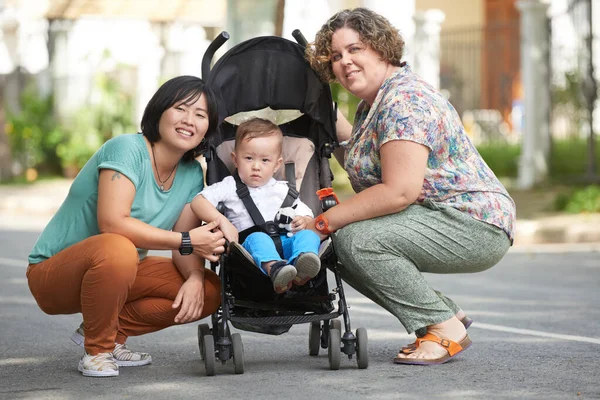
x=118 y=295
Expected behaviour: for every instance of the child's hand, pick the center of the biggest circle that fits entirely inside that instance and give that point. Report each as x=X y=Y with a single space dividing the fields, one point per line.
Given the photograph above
x=229 y=231
x=300 y=222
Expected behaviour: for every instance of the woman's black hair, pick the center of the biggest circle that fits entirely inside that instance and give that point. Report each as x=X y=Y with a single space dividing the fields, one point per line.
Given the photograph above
x=184 y=89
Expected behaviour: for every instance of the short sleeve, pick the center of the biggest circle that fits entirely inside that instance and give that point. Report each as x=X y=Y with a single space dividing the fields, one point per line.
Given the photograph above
x=219 y=191
x=123 y=154
x=198 y=183
x=407 y=120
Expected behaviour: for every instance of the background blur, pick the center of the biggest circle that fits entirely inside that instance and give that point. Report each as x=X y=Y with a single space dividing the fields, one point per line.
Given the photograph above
x=522 y=74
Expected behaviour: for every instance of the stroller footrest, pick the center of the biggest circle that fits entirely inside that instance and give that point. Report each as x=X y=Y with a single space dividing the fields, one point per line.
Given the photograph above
x=284 y=319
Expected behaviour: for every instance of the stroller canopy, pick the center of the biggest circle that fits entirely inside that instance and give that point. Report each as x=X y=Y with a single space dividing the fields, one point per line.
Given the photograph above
x=271 y=72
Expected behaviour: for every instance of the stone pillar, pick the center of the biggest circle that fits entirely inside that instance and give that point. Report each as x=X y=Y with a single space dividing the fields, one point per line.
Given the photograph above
x=533 y=163
x=426 y=61
x=59 y=65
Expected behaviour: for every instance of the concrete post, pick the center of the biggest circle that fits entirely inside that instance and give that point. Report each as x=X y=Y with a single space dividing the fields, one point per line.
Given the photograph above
x=428 y=25
x=533 y=164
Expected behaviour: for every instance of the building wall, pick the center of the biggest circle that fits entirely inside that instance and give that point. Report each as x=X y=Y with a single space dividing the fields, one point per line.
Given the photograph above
x=459 y=13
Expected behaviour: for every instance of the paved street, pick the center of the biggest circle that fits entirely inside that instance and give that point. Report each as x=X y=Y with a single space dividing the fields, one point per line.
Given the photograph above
x=536 y=336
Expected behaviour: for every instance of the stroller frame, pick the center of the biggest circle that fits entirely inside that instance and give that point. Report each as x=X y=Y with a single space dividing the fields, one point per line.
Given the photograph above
x=325 y=329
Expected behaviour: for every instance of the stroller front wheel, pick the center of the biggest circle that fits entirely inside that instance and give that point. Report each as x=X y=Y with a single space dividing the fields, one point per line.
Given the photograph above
x=203 y=330
x=314 y=338
x=209 y=354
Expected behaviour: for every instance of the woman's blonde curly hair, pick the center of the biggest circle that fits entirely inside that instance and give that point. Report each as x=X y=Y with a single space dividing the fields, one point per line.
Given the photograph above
x=373 y=30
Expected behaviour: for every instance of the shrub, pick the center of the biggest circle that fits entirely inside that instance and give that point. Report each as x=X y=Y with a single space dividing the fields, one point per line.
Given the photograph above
x=584 y=200
x=34 y=133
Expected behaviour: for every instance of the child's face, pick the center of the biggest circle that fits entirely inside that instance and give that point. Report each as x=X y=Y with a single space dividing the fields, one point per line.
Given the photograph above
x=257 y=159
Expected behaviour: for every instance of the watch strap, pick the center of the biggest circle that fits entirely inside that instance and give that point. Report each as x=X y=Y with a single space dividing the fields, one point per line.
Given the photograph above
x=186 y=244
x=322 y=225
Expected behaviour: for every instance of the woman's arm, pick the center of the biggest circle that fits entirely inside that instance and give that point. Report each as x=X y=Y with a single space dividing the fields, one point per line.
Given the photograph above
x=403 y=165
x=191 y=295
x=115 y=197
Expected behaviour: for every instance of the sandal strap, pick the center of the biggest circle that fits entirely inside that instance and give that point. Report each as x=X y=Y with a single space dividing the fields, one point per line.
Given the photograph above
x=451 y=347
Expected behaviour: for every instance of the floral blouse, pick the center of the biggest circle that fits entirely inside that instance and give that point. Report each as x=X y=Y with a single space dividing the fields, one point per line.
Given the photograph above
x=408 y=108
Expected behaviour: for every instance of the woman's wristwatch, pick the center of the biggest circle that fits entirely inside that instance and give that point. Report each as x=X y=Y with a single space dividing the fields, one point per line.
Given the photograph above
x=186 y=244
x=322 y=225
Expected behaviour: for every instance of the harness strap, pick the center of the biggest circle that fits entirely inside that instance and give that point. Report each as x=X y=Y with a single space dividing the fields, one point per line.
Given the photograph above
x=244 y=194
x=290 y=176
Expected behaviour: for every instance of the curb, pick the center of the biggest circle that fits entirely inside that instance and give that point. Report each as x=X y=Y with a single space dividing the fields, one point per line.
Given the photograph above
x=30 y=207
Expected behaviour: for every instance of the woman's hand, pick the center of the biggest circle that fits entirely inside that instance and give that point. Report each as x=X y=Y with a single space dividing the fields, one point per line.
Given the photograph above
x=191 y=300
x=208 y=241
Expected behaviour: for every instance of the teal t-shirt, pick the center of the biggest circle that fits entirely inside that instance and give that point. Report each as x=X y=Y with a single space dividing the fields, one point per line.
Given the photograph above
x=76 y=219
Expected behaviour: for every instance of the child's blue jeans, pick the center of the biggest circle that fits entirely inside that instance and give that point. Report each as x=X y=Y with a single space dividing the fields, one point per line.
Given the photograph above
x=262 y=248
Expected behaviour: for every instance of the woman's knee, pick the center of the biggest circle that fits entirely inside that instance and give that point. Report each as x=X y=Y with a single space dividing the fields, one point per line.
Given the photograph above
x=114 y=254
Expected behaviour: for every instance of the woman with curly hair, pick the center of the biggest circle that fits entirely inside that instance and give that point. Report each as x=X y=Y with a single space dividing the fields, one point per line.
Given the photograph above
x=425 y=199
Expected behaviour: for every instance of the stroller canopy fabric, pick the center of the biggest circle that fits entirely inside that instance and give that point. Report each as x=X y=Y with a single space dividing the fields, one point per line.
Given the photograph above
x=270 y=72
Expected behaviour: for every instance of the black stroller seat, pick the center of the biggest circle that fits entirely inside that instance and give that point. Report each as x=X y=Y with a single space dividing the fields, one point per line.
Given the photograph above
x=261 y=76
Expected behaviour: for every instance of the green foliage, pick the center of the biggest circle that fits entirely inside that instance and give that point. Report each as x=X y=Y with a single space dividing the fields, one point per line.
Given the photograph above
x=38 y=140
x=501 y=158
x=34 y=133
x=569 y=158
x=108 y=115
x=347 y=102
x=586 y=200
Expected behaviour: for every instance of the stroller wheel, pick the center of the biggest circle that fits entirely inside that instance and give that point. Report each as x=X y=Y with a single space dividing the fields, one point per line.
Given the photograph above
x=203 y=330
x=362 y=350
x=238 y=353
x=335 y=324
x=314 y=338
x=334 y=349
x=209 y=354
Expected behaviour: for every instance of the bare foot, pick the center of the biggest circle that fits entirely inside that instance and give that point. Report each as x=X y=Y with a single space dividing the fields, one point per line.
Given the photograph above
x=451 y=329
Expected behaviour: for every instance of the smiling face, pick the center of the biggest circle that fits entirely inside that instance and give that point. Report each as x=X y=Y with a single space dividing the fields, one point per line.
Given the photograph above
x=357 y=66
x=257 y=159
x=183 y=125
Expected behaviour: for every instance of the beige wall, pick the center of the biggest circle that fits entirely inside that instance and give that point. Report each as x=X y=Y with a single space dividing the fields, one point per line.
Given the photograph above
x=459 y=13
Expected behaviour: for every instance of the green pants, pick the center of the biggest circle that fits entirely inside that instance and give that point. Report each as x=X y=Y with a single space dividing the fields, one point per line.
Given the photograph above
x=383 y=258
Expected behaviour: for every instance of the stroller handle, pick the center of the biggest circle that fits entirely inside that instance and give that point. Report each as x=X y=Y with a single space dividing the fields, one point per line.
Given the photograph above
x=299 y=37
x=210 y=52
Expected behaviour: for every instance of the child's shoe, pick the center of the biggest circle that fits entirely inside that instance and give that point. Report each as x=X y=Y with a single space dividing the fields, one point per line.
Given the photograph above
x=282 y=275
x=308 y=266
x=100 y=365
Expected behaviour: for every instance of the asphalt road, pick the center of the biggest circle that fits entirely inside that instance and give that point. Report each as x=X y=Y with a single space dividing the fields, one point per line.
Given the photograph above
x=536 y=336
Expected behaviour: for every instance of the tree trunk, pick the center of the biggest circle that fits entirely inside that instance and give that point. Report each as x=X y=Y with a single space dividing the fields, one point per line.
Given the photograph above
x=279 y=15
x=5 y=153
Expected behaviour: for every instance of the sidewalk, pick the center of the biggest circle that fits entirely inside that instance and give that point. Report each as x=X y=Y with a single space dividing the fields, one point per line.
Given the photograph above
x=30 y=207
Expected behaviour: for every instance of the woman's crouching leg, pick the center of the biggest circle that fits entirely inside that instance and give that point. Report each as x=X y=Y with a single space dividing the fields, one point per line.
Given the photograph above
x=92 y=277
x=149 y=307
x=374 y=266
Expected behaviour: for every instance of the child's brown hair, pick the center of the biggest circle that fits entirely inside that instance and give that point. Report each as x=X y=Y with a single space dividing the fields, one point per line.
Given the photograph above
x=257 y=127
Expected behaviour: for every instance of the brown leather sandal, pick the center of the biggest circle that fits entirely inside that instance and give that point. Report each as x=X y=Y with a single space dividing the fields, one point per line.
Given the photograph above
x=452 y=349
x=410 y=348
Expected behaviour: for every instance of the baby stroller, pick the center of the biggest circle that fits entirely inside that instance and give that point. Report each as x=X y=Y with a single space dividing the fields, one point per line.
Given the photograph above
x=271 y=73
